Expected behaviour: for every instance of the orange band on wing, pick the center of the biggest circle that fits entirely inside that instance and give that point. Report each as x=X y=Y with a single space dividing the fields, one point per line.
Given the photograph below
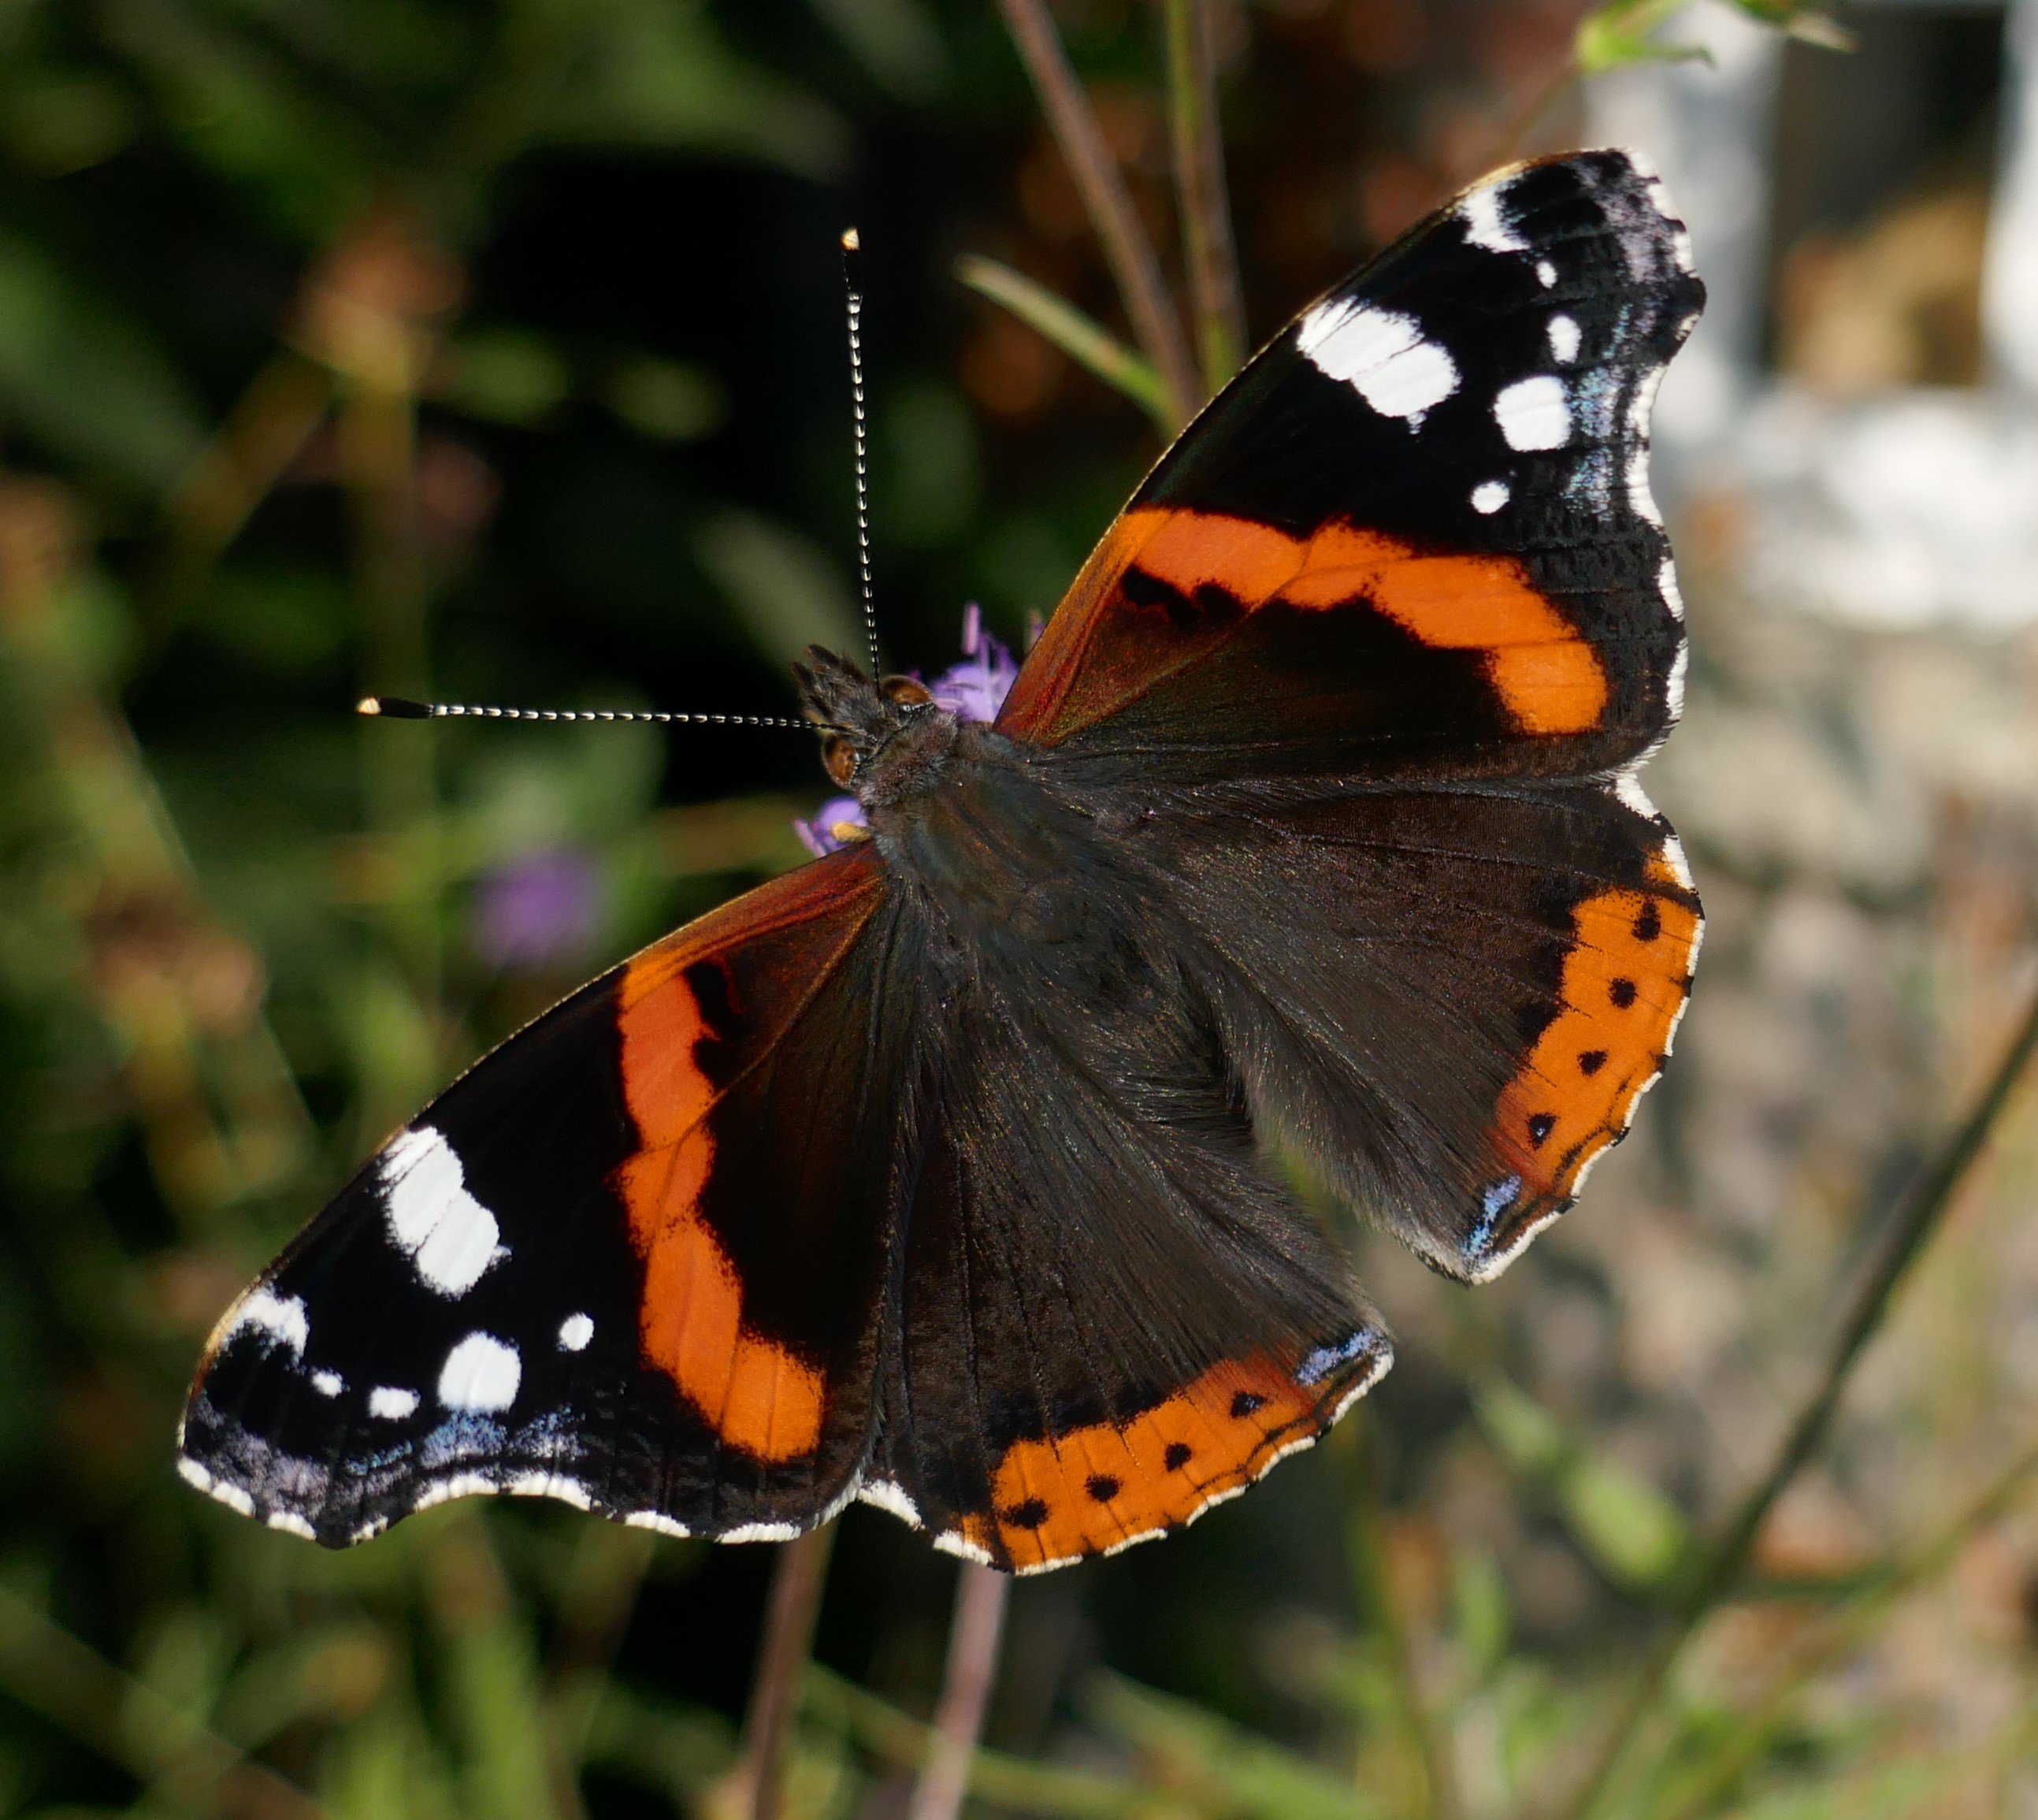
x=1624 y=986
x=1542 y=668
x=1101 y=1487
x=755 y=1394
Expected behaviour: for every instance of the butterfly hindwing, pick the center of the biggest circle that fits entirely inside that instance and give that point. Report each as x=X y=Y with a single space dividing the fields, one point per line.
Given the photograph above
x=1450 y=1001
x=1111 y=1313
x=634 y=1259
x=1413 y=538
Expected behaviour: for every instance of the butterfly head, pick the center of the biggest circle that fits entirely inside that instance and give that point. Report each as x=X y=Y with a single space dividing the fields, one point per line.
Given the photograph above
x=860 y=717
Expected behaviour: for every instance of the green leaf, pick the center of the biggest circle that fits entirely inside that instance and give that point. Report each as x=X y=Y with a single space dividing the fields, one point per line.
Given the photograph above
x=1086 y=342
x=655 y=74
x=896 y=41
x=1635 y=1534
x=1216 y=1763
x=79 y=376
x=666 y=399
x=241 y=110
x=502 y=376
x=1622 y=32
x=787 y=592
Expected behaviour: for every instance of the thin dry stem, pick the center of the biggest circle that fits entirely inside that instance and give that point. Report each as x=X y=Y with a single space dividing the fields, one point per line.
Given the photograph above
x=1914 y=1220
x=1380 y=1603
x=972 y=1665
x=1208 y=248
x=1126 y=247
x=797 y=1580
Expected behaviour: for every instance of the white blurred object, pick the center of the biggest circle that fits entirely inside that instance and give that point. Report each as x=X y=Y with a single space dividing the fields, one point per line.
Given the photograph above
x=1907 y=507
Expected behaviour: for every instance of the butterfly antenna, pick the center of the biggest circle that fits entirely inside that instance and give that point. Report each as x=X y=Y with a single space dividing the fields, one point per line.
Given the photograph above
x=401 y=707
x=852 y=279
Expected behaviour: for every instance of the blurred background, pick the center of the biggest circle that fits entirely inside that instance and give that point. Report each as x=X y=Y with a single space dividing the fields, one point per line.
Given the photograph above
x=492 y=349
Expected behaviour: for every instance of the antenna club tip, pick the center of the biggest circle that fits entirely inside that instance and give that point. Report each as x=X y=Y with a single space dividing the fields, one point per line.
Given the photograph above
x=368 y=704
x=851 y=240
x=393 y=707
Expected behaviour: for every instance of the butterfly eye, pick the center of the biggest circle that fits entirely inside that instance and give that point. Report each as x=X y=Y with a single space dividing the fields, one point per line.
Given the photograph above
x=905 y=691
x=838 y=758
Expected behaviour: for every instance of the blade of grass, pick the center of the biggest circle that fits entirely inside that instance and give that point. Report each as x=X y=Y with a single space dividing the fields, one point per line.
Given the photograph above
x=995 y=1779
x=1909 y=1227
x=972 y=1664
x=51 y=1673
x=1845 y=1628
x=1126 y=247
x=797 y=1580
x=1087 y=343
x=1380 y=1605
x=1208 y=248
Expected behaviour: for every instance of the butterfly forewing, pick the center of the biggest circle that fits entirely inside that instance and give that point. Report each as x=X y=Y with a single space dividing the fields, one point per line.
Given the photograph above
x=634 y=1259
x=1414 y=537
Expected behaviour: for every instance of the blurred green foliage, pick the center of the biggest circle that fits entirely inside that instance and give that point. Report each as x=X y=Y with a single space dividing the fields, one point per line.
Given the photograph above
x=493 y=346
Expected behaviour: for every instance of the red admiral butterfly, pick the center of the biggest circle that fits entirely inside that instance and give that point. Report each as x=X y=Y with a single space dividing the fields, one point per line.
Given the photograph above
x=934 y=1174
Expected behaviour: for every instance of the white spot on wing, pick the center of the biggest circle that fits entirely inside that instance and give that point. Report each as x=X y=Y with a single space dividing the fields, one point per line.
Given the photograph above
x=760 y=1533
x=1489 y=496
x=1325 y=1359
x=328 y=1383
x=657 y=1520
x=450 y=1236
x=575 y=1331
x=1486 y=225
x=1565 y=336
x=456 y=1485
x=1673 y=857
x=881 y=1494
x=1666 y=586
x=283 y=1317
x=392 y=1403
x=955 y=1542
x=291 y=1524
x=1628 y=788
x=1659 y=199
x=1546 y=273
x=1639 y=498
x=1534 y=413
x=1381 y=356
x=551 y=1485
x=1673 y=694
x=481 y=1374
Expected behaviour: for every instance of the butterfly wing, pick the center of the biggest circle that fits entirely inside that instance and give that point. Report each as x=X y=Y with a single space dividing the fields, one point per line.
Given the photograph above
x=1413 y=538
x=634 y=1259
x=1449 y=1002
x=1111 y=1315
x=1376 y=649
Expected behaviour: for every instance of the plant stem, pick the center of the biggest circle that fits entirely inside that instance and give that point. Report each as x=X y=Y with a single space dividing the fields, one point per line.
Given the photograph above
x=1845 y=1628
x=1087 y=343
x=797 y=1580
x=1915 y=1218
x=1126 y=247
x=972 y=1664
x=1014 y=1784
x=1380 y=1605
x=1207 y=245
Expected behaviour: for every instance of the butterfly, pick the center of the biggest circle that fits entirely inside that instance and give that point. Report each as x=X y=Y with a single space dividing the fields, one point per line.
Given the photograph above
x=940 y=1172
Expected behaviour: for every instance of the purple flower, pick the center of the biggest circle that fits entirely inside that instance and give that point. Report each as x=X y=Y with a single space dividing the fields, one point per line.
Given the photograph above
x=829 y=831
x=976 y=687
x=538 y=910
